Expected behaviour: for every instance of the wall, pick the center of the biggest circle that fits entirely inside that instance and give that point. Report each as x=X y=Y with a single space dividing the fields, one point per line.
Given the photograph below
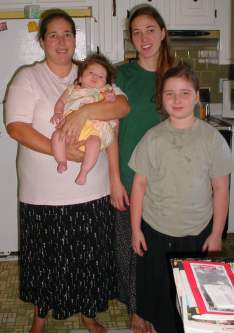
x=208 y=73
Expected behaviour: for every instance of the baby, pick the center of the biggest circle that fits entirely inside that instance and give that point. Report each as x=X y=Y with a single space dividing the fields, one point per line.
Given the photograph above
x=93 y=84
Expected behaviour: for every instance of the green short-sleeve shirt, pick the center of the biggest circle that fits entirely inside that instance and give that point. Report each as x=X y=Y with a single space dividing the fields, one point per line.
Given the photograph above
x=139 y=86
x=179 y=165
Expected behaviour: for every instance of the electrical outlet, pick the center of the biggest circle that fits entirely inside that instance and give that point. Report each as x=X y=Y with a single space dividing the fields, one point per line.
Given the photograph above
x=221 y=84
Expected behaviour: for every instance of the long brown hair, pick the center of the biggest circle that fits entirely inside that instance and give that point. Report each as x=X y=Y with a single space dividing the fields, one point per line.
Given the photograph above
x=165 y=59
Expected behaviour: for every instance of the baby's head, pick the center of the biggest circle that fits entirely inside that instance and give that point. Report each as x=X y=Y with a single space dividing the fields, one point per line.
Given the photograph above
x=95 y=72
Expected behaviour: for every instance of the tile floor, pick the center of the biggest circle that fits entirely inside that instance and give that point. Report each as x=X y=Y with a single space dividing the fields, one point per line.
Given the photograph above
x=16 y=316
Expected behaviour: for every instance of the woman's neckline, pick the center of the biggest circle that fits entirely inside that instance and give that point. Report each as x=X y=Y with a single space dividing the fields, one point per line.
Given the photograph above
x=143 y=69
x=62 y=71
x=147 y=66
x=60 y=77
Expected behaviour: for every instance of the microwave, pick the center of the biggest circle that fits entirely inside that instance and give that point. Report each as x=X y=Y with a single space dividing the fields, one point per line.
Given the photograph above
x=228 y=99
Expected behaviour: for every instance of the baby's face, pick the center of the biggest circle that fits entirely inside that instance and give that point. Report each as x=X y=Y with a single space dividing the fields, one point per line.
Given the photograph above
x=94 y=77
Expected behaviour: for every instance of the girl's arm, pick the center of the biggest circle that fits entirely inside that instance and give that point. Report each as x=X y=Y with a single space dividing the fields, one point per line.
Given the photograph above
x=103 y=110
x=220 y=209
x=136 y=209
x=26 y=135
x=119 y=196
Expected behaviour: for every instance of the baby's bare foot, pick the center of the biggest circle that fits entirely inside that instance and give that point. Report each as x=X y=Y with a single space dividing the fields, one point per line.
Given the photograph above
x=92 y=325
x=81 y=179
x=139 y=325
x=62 y=166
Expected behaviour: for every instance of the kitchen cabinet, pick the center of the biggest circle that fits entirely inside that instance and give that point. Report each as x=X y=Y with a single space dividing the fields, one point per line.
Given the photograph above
x=163 y=6
x=112 y=21
x=227 y=33
x=178 y=14
x=202 y=15
x=109 y=20
x=186 y=13
x=19 y=4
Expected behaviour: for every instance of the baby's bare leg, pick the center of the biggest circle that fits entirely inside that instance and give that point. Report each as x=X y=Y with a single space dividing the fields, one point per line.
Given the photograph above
x=59 y=150
x=92 y=149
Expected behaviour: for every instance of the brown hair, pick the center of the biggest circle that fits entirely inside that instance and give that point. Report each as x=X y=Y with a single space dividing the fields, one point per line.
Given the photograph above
x=182 y=70
x=49 y=15
x=96 y=58
x=165 y=59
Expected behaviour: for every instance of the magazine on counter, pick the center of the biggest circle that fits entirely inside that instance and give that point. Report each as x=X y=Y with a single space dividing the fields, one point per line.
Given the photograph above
x=212 y=284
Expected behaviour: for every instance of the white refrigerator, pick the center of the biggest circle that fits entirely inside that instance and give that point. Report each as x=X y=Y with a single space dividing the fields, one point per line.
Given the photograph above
x=19 y=46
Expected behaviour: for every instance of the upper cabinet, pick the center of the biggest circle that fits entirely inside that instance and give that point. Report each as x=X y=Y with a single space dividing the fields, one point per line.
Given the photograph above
x=186 y=13
x=177 y=14
x=111 y=23
x=205 y=14
x=109 y=20
x=162 y=6
x=18 y=4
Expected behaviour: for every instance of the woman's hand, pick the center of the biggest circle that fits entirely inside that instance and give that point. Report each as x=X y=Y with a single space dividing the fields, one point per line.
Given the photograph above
x=138 y=242
x=94 y=111
x=119 y=196
x=73 y=152
x=73 y=124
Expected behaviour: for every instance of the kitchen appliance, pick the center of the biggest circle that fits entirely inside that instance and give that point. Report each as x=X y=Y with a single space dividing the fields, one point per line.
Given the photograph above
x=228 y=99
x=19 y=47
x=207 y=41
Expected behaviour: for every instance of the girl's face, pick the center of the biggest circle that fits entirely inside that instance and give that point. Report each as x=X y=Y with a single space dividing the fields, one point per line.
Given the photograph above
x=59 y=43
x=94 y=76
x=179 y=98
x=146 y=36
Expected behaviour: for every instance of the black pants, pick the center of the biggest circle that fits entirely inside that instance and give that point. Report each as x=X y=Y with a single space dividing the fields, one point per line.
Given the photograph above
x=155 y=288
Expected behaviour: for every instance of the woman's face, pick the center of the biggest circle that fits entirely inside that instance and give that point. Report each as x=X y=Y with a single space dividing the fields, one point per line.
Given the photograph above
x=59 y=43
x=146 y=36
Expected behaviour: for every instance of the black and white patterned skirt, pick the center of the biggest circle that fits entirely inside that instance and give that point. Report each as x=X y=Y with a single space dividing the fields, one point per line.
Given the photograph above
x=67 y=258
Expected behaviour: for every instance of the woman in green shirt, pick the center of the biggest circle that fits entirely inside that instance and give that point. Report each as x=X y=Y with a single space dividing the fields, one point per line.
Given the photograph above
x=139 y=80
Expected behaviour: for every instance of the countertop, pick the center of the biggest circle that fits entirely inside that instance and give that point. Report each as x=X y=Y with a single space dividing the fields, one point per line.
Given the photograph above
x=220 y=123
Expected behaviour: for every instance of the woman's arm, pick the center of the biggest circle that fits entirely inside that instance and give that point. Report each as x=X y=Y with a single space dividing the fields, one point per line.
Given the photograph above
x=119 y=195
x=220 y=209
x=136 y=207
x=26 y=135
x=103 y=110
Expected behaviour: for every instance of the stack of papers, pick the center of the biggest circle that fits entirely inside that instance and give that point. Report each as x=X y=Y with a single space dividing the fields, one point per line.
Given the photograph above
x=205 y=291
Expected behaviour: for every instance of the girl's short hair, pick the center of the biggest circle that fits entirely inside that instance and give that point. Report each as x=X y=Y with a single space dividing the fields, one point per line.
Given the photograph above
x=97 y=58
x=48 y=16
x=181 y=70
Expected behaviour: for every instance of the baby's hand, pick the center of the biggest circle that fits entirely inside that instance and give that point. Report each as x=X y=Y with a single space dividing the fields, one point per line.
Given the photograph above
x=110 y=96
x=56 y=118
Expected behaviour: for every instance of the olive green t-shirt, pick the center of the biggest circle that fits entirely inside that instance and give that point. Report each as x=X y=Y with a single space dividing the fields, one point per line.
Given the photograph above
x=139 y=86
x=179 y=165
